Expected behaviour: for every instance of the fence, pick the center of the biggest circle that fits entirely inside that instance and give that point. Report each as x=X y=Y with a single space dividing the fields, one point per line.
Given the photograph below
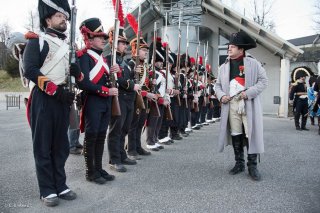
x=13 y=101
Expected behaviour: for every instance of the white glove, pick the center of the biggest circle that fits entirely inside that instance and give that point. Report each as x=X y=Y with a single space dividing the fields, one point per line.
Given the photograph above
x=241 y=108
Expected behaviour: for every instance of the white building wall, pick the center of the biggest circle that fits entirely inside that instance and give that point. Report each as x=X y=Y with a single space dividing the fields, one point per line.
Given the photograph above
x=271 y=63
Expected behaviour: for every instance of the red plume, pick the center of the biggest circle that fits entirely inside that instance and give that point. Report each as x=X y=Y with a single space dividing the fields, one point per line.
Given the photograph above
x=133 y=23
x=192 y=60
x=164 y=44
x=120 y=12
x=208 y=67
x=200 y=60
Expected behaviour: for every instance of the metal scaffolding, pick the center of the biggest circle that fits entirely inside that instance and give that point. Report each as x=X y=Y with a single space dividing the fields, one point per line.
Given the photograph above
x=191 y=10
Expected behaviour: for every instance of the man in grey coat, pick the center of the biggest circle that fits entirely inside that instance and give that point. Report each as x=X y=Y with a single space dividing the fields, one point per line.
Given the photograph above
x=240 y=81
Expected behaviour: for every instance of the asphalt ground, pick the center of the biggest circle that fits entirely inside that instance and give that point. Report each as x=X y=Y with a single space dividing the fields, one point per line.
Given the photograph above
x=187 y=176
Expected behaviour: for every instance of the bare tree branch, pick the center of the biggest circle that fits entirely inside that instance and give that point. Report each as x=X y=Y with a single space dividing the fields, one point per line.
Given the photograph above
x=262 y=13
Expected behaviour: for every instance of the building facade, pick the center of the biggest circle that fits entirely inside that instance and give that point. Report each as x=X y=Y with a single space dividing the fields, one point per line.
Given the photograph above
x=211 y=21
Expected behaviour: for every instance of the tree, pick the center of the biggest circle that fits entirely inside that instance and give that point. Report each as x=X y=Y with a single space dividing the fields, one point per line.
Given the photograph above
x=262 y=13
x=32 y=21
x=5 y=31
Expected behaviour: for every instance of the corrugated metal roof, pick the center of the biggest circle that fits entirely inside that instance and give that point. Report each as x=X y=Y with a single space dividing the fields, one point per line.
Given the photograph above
x=313 y=39
x=149 y=14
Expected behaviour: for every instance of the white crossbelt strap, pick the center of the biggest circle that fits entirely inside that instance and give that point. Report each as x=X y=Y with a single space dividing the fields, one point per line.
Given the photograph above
x=100 y=63
x=62 y=51
x=53 y=64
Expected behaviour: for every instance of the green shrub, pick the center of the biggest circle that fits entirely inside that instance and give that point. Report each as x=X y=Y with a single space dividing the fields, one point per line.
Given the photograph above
x=12 y=67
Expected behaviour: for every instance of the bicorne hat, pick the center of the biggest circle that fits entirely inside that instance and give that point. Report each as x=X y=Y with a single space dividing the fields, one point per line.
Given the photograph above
x=160 y=54
x=242 y=40
x=48 y=8
x=299 y=73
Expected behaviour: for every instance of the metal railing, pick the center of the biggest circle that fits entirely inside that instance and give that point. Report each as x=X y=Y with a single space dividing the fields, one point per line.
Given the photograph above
x=13 y=101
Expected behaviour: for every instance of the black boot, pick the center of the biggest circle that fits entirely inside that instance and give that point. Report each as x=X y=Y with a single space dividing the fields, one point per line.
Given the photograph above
x=89 y=155
x=99 y=147
x=303 y=123
x=252 y=167
x=312 y=120
x=296 y=121
x=237 y=144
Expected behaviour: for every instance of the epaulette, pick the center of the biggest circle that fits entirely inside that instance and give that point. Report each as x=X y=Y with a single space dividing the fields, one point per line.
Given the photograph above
x=81 y=52
x=31 y=35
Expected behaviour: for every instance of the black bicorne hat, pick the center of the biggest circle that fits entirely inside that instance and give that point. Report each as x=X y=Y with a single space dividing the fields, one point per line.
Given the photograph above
x=299 y=73
x=160 y=54
x=48 y=8
x=242 y=40
x=92 y=27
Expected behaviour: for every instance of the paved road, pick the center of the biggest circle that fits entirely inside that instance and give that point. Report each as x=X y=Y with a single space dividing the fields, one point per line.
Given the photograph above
x=187 y=176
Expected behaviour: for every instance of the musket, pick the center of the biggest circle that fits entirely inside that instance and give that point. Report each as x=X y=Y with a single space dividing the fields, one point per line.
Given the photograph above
x=186 y=66
x=168 y=112
x=74 y=112
x=177 y=78
x=196 y=81
x=139 y=100
x=115 y=100
x=205 y=75
x=154 y=108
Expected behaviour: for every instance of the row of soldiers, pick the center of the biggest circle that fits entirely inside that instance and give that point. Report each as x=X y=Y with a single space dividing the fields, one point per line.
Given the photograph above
x=167 y=109
x=170 y=99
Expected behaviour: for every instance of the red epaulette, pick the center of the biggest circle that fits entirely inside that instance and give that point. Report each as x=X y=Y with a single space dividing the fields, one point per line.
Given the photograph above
x=31 y=35
x=81 y=52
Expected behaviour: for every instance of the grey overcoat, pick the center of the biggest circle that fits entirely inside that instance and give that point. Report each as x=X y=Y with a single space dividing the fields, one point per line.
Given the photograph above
x=255 y=82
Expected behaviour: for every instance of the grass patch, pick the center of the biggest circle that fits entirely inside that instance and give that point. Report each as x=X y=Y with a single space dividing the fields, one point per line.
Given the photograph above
x=9 y=84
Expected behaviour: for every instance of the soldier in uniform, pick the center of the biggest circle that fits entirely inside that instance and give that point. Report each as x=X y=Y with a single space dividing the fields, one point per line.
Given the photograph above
x=159 y=82
x=50 y=100
x=183 y=109
x=211 y=95
x=172 y=92
x=96 y=112
x=299 y=94
x=203 y=96
x=119 y=125
x=134 y=147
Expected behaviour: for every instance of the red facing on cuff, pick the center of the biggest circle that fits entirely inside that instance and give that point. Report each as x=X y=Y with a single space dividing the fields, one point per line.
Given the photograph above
x=119 y=74
x=51 y=88
x=144 y=93
x=104 y=92
x=161 y=101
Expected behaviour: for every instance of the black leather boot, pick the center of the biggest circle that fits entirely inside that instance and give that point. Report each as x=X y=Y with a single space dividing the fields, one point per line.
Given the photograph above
x=296 y=121
x=237 y=144
x=252 y=167
x=303 y=123
x=99 y=147
x=89 y=155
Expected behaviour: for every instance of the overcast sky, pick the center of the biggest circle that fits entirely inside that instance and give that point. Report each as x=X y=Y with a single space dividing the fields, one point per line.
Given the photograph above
x=293 y=18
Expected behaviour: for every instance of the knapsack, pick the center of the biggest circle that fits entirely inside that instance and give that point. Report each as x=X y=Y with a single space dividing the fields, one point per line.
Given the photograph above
x=17 y=42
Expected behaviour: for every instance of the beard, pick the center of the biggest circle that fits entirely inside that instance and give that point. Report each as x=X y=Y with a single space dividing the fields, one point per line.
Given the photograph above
x=61 y=27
